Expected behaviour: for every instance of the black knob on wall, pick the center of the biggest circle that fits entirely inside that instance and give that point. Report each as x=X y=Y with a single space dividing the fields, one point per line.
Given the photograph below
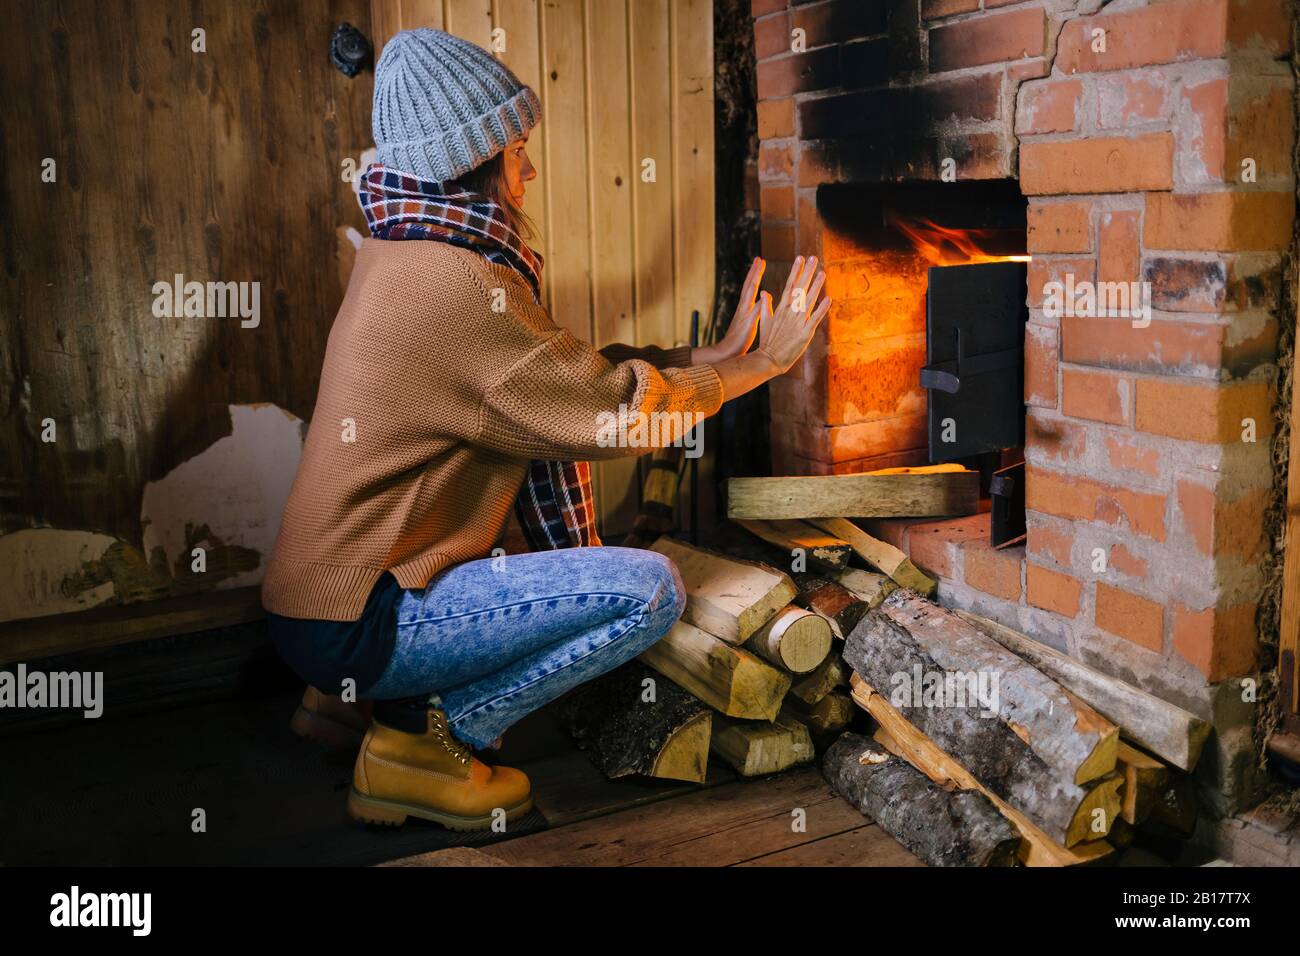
x=349 y=50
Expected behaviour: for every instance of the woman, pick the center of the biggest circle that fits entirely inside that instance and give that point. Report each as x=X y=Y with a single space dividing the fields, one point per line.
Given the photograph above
x=447 y=397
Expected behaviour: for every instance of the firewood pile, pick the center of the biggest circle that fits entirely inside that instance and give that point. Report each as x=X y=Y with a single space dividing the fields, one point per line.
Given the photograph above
x=971 y=744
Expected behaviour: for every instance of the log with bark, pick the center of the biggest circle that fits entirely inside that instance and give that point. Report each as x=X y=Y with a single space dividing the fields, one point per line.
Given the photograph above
x=880 y=555
x=795 y=639
x=1026 y=738
x=754 y=748
x=1169 y=732
x=728 y=597
x=942 y=827
x=728 y=679
x=830 y=600
x=822 y=551
x=863 y=496
x=903 y=740
x=629 y=726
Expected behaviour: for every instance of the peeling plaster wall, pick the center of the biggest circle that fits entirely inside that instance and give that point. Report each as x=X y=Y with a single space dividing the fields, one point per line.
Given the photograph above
x=45 y=572
x=228 y=499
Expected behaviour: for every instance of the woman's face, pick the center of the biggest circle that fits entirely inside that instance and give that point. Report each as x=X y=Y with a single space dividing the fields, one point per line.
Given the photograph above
x=518 y=169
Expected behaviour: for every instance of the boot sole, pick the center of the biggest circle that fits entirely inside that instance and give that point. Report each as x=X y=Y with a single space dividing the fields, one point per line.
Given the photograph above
x=390 y=813
x=325 y=730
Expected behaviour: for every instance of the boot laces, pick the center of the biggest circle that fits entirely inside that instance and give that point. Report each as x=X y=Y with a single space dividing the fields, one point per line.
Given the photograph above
x=456 y=748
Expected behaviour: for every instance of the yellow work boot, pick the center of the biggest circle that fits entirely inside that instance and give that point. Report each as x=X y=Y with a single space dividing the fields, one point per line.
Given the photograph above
x=330 y=720
x=433 y=776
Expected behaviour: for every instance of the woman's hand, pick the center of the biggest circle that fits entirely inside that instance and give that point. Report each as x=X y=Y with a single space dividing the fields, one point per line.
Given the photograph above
x=744 y=323
x=786 y=332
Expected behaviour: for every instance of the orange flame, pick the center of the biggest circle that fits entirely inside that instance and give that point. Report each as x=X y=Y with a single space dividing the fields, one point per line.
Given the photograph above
x=941 y=246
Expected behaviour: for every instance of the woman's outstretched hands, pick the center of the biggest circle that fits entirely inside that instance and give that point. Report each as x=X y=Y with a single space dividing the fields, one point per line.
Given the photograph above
x=744 y=322
x=784 y=333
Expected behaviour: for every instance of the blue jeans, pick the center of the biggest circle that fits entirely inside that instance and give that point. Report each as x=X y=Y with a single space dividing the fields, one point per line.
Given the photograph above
x=491 y=641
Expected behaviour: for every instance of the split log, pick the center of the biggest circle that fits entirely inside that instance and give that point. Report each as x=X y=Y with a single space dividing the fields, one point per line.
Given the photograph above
x=863 y=496
x=726 y=596
x=756 y=748
x=1026 y=738
x=1144 y=779
x=658 y=496
x=666 y=737
x=825 y=720
x=942 y=827
x=904 y=740
x=822 y=550
x=795 y=639
x=880 y=554
x=840 y=607
x=812 y=687
x=867 y=586
x=728 y=679
x=1169 y=732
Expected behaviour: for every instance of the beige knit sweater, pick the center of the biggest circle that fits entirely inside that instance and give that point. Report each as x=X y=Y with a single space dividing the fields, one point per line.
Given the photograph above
x=430 y=405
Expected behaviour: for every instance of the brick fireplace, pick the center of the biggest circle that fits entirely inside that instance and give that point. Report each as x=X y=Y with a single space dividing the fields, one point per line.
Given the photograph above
x=1138 y=141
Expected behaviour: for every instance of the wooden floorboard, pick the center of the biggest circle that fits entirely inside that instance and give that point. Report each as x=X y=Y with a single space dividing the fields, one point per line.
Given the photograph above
x=740 y=823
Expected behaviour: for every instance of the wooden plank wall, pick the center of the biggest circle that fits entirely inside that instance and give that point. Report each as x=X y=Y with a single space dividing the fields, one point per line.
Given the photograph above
x=621 y=81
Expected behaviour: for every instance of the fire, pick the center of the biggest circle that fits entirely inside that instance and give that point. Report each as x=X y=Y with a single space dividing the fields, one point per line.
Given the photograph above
x=942 y=246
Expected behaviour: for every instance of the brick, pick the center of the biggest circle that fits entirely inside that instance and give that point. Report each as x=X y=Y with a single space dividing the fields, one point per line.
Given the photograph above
x=1219 y=222
x=808 y=235
x=993 y=572
x=1043 y=271
x=1060 y=227
x=1219 y=643
x=760 y=7
x=1162 y=346
x=1260 y=26
x=989 y=39
x=1041 y=357
x=1202 y=130
x=1223 y=283
x=1098 y=396
x=897 y=110
x=864 y=63
x=1124 y=101
x=1049 y=106
x=1124 y=561
x=1222 y=529
x=935 y=9
x=1129 y=454
x=1262 y=127
x=777 y=241
x=1206 y=413
x=1160 y=33
x=775 y=162
x=772 y=35
x=785 y=75
x=1052 y=590
x=1118 y=244
x=1055 y=438
x=1034 y=68
x=838 y=21
x=777 y=202
x=1131 y=617
x=932 y=545
x=775 y=118
x=1087 y=500
x=1101 y=165
x=1051 y=540
x=875 y=381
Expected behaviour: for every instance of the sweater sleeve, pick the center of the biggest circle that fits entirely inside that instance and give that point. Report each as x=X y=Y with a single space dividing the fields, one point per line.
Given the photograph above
x=679 y=357
x=564 y=400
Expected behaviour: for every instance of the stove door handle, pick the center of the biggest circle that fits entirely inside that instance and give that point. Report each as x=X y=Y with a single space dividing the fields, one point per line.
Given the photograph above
x=938 y=377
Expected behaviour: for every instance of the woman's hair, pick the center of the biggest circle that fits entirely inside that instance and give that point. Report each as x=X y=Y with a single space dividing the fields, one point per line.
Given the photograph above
x=489 y=179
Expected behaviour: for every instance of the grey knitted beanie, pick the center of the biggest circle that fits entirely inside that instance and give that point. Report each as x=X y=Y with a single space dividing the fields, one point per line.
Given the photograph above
x=444 y=106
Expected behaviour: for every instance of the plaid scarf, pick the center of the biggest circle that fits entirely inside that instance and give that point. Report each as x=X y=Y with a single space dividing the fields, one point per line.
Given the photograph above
x=554 y=505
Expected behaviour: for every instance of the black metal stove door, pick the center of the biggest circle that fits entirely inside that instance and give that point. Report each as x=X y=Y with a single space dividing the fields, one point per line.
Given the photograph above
x=975 y=339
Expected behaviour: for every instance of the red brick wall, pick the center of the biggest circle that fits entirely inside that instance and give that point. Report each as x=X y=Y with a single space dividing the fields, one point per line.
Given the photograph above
x=1145 y=501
